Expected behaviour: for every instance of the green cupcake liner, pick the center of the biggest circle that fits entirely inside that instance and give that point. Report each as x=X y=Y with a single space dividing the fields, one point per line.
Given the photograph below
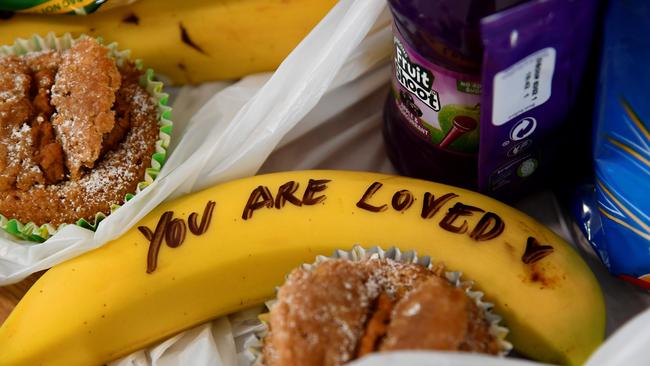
x=35 y=233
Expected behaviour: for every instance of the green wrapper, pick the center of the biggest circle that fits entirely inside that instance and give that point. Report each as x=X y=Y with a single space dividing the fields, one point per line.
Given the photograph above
x=32 y=232
x=57 y=7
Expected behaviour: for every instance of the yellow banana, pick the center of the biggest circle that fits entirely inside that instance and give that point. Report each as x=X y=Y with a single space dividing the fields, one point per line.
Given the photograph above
x=227 y=248
x=190 y=41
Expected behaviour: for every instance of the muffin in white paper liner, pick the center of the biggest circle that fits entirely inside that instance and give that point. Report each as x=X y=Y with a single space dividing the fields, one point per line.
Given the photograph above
x=254 y=344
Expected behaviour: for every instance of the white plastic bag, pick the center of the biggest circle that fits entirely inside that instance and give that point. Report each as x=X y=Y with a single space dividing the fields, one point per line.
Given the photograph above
x=412 y=358
x=628 y=346
x=235 y=131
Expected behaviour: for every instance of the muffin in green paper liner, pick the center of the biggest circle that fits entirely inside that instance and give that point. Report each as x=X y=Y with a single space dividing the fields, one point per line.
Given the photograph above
x=82 y=130
x=365 y=300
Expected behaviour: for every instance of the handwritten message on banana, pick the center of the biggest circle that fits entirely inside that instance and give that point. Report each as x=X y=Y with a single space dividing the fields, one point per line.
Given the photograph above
x=173 y=231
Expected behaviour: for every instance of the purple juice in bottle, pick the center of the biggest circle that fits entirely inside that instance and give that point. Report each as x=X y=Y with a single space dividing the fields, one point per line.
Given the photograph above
x=432 y=115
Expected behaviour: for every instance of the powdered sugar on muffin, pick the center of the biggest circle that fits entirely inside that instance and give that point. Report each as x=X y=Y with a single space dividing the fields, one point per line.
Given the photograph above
x=77 y=133
x=83 y=95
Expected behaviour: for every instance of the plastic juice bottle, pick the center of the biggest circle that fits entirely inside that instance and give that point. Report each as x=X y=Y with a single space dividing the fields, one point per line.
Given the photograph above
x=431 y=116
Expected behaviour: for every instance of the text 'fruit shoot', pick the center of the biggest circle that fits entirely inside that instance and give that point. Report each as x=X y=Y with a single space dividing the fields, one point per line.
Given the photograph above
x=415 y=78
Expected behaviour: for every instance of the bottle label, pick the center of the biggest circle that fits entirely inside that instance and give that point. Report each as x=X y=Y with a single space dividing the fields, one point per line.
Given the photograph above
x=439 y=105
x=523 y=86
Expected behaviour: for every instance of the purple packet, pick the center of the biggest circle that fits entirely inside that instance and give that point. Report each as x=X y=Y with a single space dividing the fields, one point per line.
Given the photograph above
x=533 y=59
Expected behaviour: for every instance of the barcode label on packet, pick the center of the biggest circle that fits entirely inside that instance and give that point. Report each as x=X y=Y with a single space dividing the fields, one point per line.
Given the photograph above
x=523 y=86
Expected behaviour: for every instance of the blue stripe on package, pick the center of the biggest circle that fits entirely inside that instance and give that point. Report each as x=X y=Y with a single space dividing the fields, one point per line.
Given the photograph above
x=615 y=215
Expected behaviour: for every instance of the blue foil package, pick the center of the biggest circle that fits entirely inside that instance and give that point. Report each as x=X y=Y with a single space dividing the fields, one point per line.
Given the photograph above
x=614 y=212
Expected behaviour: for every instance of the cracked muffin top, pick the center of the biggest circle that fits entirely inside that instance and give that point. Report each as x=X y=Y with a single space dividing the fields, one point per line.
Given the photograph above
x=77 y=133
x=341 y=310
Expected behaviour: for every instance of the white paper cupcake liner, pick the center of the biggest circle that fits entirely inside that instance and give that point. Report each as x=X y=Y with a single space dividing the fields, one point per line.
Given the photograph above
x=254 y=343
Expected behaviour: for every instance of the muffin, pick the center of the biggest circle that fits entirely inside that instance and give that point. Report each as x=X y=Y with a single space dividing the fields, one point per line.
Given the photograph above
x=78 y=130
x=340 y=310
